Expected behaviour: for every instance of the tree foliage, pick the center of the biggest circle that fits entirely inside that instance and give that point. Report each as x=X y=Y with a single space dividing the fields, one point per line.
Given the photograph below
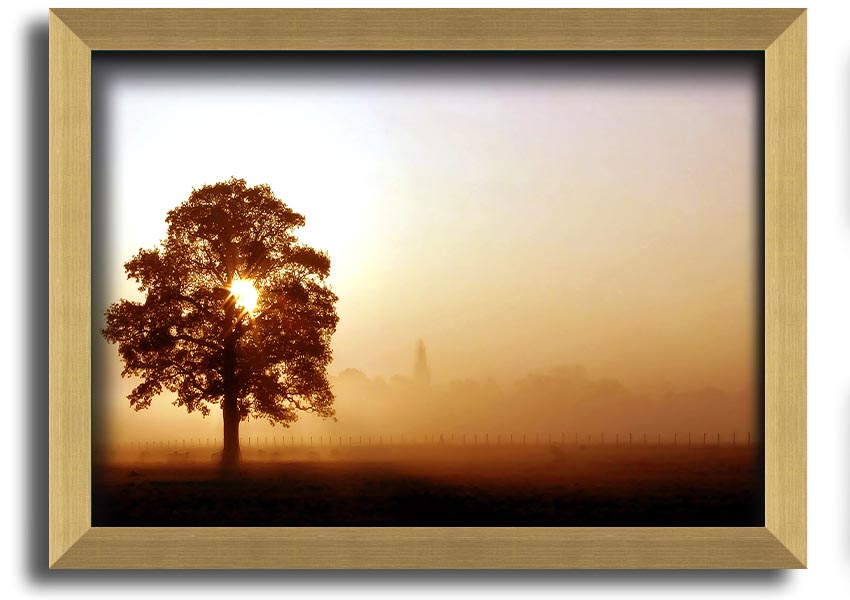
x=190 y=336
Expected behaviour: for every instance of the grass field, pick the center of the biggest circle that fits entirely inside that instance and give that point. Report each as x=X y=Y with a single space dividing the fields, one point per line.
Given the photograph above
x=439 y=485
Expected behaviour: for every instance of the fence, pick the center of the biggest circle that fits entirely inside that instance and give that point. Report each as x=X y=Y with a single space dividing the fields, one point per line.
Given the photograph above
x=689 y=440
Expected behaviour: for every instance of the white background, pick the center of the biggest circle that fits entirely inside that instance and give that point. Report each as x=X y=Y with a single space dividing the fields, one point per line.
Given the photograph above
x=24 y=422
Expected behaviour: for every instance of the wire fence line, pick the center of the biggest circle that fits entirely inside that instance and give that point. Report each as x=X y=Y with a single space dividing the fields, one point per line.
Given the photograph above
x=643 y=439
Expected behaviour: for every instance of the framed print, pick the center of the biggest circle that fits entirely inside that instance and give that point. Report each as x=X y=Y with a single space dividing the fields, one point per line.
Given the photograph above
x=427 y=288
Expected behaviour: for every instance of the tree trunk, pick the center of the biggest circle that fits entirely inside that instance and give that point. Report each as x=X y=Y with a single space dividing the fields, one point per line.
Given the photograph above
x=230 y=454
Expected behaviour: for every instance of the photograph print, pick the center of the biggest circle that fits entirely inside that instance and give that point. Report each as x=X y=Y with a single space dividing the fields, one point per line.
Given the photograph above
x=427 y=289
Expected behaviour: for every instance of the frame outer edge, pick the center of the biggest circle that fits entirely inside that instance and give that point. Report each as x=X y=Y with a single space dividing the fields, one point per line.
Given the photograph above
x=74 y=544
x=429 y=548
x=785 y=288
x=69 y=367
x=428 y=28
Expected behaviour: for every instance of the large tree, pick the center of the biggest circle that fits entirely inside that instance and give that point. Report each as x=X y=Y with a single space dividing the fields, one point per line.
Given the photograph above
x=236 y=313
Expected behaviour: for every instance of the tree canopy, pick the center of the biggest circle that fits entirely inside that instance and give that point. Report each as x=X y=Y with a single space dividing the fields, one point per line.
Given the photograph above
x=197 y=336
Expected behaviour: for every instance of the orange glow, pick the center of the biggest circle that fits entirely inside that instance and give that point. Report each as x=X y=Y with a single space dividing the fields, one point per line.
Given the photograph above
x=578 y=247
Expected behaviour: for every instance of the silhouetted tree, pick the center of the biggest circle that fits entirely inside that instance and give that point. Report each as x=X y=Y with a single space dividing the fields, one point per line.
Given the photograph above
x=198 y=333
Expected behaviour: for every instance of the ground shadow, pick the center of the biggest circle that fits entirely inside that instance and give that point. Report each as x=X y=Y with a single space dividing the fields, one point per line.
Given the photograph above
x=35 y=259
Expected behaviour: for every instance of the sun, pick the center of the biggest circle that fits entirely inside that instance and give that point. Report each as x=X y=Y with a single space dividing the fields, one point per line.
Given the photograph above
x=245 y=294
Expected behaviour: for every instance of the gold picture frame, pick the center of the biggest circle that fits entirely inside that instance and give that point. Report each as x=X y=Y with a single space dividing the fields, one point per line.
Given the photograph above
x=76 y=33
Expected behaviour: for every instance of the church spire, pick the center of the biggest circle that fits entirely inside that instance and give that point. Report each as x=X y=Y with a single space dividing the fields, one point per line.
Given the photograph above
x=421 y=374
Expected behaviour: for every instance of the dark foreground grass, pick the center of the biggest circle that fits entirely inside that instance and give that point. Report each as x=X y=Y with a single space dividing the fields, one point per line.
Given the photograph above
x=437 y=486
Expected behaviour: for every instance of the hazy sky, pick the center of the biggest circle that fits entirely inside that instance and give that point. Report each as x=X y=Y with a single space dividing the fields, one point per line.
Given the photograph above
x=516 y=214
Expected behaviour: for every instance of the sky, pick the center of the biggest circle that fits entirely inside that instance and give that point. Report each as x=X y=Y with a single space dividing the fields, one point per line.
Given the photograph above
x=530 y=217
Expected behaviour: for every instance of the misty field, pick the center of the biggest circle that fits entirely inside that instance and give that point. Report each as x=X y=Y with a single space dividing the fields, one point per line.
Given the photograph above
x=435 y=485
